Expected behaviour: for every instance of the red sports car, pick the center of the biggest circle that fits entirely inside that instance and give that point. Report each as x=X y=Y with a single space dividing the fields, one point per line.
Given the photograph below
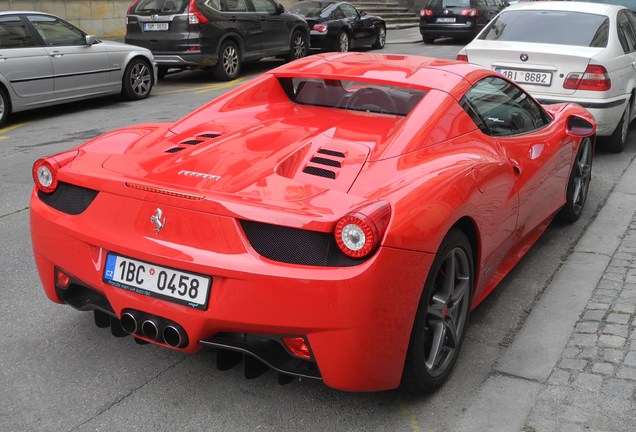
x=336 y=218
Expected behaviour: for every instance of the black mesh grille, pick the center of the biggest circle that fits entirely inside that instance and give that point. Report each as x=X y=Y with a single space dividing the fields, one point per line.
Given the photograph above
x=325 y=161
x=296 y=246
x=69 y=198
x=174 y=149
x=320 y=172
x=332 y=153
x=191 y=142
x=208 y=135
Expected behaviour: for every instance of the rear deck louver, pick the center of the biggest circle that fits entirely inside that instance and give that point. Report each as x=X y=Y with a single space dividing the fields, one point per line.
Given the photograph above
x=193 y=141
x=325 y=166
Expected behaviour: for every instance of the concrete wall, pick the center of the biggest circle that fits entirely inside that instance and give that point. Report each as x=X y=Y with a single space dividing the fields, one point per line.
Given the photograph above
x=102 y=18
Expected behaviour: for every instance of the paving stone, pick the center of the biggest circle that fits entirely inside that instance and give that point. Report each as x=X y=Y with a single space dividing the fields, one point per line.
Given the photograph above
x=611 y=341
x=571 y=427
x=587 y=327
x=619 y=387
x=616 y=272
x=580 y=339
x=577 y=365
x=616 y=329
x=618 y=318
x=588 y=381
x=603 y=368
x=630 y=359
x=598 y=306
x=609 y=284
x=614 y=276
x=570 y=352
x=613 y=355
x=559 y=377
x=624 y=308
x=627 y=373
x=593 y=315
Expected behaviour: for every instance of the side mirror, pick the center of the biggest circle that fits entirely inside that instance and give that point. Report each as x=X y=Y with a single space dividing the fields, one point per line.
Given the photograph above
x=280 y=8
x=90 y=39
x=579 y=127
x=363 y=13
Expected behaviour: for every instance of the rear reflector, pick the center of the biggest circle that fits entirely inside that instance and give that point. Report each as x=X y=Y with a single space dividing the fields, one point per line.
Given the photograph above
x=462 y=58
x=61 y=279
x=297 y=346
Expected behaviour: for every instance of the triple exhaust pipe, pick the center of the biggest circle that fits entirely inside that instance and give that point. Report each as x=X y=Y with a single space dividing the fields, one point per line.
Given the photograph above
x=154 y=328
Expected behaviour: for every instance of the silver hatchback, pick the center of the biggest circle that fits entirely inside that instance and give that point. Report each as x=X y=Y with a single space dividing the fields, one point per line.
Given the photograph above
x=45 y=60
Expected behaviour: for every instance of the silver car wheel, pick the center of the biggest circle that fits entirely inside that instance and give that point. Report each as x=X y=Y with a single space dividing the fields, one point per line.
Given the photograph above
x=582 y=175
x=140 y=79
x=230 y=60
x=298 y=46
x=343 y=42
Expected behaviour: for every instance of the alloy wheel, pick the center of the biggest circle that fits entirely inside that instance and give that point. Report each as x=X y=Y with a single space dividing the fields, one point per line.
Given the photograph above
x=140 y=79
x=230 y=60
x=298 y=46
x=582 y=175
x=343 y=42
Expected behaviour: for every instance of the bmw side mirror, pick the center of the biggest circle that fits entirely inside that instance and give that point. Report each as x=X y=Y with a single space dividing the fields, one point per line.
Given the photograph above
x=90 y=39
x=363 y=13
x=579 y=127
x=280 y=8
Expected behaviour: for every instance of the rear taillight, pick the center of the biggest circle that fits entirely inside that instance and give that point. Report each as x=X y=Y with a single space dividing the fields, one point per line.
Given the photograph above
x=45 y=170
x=358 y=233
x=319 y=28
x=426 y=12
x=194 y=15
x=130 y=8
x=469 y=12
x=595 y=78
x=462 y=58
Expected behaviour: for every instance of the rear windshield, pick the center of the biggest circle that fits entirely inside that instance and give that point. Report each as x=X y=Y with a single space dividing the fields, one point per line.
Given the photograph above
x=351 y=95
x=308 y=9
x=160 y=7
x=549 y=27
x=436 y=4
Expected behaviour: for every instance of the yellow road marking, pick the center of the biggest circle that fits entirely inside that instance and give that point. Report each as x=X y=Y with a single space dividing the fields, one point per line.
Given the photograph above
x=206 y=88
x=10 y=128
x=408 y=412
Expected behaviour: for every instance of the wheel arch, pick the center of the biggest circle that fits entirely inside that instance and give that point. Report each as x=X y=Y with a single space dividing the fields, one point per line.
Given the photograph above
x=233 y=37
x=138 y=56
x=5 y=88
x=468 y=226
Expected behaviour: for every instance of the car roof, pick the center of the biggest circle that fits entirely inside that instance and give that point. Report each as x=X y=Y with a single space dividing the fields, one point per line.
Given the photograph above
x=392 y=69
x=566 y=6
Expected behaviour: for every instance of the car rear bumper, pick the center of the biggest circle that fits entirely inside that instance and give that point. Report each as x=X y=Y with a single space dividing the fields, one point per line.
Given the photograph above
x=464 y=30
x=357 y=320
x=185 y=60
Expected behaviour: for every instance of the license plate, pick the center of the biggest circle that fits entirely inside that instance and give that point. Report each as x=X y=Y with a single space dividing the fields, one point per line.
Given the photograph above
x=155 y=26
x=445 y=20
x=527 y=77
x=177 y=286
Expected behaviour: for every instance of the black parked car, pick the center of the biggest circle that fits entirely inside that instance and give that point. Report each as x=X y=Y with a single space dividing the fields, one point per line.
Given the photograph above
x=217 y=34
x=461 y=19
x=338 y=26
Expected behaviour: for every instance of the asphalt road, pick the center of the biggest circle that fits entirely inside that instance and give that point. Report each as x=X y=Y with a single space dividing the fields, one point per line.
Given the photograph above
x=58 y=372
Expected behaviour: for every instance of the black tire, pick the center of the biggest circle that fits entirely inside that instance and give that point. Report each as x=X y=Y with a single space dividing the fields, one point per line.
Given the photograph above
x=298 y=46
x=162 y=71
x=381 y=39
x=428 y=39
x=5 y=106
x=343 y=43
x=137 y=81
x=442 y=316
x=229 y=65
x=578 y=184
x=616 y=142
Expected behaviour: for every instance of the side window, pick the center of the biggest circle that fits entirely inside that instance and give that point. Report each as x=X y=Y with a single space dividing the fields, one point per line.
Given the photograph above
x=14 y=34
x=349 y=11
x=233 y=6
x=626 y=33
x=264 y=6
x=337 y=14
x=56 y=32
x=503 y=108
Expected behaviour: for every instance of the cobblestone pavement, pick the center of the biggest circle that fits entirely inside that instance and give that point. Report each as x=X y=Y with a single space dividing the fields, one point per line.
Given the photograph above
x=593 y=386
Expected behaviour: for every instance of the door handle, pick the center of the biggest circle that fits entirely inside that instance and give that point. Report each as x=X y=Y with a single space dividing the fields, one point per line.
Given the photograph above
x=55 y=54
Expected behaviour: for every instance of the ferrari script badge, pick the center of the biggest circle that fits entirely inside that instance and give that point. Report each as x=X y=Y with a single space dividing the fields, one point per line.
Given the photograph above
x=158 y=220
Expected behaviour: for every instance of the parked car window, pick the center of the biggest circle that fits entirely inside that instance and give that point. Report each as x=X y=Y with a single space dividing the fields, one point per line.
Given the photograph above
x=549 y=27
x=308 y=9
x=149 y=7
x=503 y=108
x=349 y=11
x=264 y=6
x=56 y=32
x=626 y=33
x=337 y=14
x=14 y=34
x=233 y=6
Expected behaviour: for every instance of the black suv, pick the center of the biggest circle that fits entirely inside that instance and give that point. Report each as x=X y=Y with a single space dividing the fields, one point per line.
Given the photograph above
x=461 y=19
x=217 y=34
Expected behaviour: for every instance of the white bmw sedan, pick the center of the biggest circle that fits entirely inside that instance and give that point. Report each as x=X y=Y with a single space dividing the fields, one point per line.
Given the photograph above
x=567 y=52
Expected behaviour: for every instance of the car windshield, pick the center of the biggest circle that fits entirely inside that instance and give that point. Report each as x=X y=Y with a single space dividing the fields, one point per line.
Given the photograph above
x=161 y=7
x=351 y=95
x=549 y=27
x=308 y=9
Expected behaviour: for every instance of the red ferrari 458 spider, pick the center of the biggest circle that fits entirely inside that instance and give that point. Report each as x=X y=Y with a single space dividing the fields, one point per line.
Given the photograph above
x=335 y=218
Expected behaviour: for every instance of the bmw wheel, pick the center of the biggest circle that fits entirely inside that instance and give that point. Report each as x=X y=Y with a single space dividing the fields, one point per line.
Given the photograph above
x=229 y=64
x=579 y=183
x=298 y=46
x=5 y=106
x=617 y=141
x=343 y=42
x=442 y=316
x=381 y=40
x=137 y=81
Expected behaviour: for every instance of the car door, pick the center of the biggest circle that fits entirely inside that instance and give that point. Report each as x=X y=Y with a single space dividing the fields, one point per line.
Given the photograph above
x=276 y=33
x=361 y=34
x=25 y=66
x=238 y=18
x=623 y=65
x=79 y=69
x=539 y=155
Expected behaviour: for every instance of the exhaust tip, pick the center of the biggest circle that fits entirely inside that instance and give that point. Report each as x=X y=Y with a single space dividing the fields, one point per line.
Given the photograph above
x=129 y=323
x=150 y=329
x=173 y=336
